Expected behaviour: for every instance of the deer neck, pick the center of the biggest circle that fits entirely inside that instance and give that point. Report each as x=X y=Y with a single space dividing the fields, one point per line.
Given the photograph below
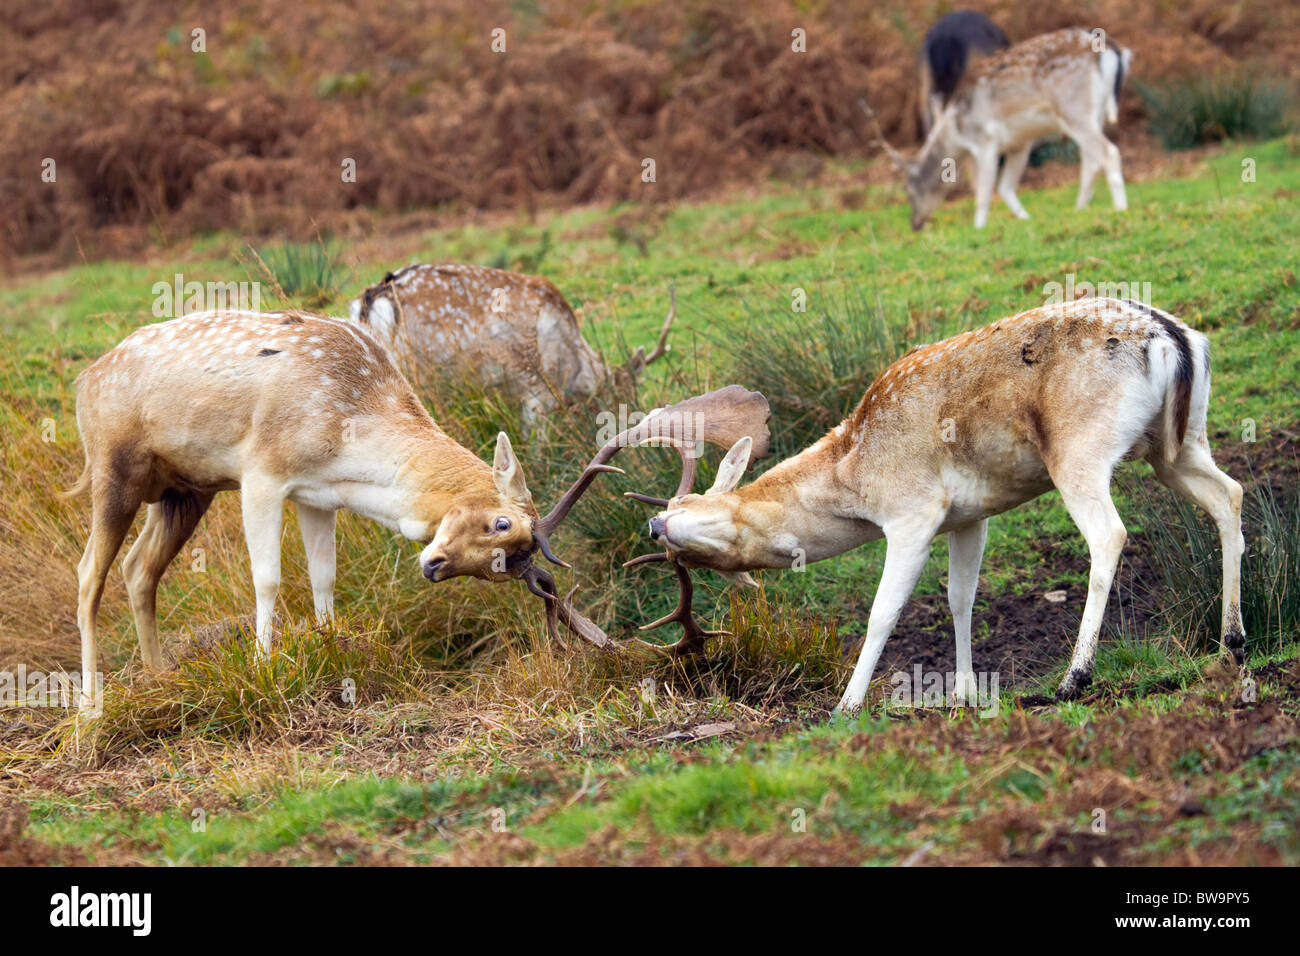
x=407 y=479
x=802 y=510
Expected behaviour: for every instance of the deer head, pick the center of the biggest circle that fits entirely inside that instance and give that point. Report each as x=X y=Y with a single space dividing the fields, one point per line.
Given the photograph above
x=487 y=533
x=707 y=530
x=925 y=186
x=724 y=415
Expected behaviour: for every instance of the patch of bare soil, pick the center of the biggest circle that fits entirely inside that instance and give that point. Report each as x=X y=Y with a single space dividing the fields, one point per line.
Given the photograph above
x=1125 y=765
x=17 y=849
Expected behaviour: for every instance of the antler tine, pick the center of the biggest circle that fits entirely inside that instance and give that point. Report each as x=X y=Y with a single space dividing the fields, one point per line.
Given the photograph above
x=543 y=527
x=639 y=360
x=647 y=559
x=719 y=417
x=540 y=582
x=894 y=155
x=661 y=347
x=689 y=465
x=647 y=499
x=693 y=636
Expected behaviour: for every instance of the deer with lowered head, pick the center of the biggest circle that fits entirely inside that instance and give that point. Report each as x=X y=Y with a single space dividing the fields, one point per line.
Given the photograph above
x=1064 y=82
x=956 y=432
x=509 y=331
x=286 y=406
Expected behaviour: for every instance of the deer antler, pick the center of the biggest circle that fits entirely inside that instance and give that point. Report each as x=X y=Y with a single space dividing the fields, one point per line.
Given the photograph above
x=542 y=583
x=744 y=422
x=638 y=360
x=719 y=417
x=693 y=635
x=899 y=161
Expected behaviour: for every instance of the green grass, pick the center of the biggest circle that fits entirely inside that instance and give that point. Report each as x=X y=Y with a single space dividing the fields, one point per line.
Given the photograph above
x=1206 y=109
x=838 y=782
x=1217 y=251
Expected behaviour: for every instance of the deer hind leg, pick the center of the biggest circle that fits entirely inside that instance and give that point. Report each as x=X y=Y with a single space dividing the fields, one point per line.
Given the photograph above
x=1088 y=168
x=906 y=551
x=317 y=527
x=1085 y=490
x=1098 y=153
x=965 y=552
x=1114 y=174
x=262 y=503
x=169 y=524
x=1013 y=167
x=1196 y=477
x=114 y=505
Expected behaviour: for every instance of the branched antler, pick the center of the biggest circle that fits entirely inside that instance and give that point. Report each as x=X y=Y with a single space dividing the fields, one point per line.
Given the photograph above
x=693 y=636
x=748 y=432
x=897 y=158
x=639 y=360
x=542 y=583
x=720 y=417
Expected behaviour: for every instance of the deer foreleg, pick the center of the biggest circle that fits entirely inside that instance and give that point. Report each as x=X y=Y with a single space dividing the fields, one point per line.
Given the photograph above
x=1090 y=505
x=906 y=551
x=986 y=172
x=965 y=552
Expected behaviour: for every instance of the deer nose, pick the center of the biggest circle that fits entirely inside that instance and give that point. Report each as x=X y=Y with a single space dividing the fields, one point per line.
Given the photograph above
x=432 y=567
x=658 y=527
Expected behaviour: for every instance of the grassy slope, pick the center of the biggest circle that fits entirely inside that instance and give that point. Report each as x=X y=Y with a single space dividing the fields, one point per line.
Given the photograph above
x=1218 y=252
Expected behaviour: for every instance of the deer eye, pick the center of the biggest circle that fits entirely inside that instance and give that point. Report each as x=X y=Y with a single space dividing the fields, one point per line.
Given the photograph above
x=501 y=524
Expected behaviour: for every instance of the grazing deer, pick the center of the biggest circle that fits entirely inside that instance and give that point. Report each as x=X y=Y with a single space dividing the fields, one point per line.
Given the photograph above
x=950 y=46
x=287 y=406
x=1063 y=82
x=510 y=331
x=956 y=432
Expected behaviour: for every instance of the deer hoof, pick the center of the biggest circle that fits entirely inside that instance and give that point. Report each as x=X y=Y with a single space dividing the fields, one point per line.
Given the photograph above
x=1074 y=685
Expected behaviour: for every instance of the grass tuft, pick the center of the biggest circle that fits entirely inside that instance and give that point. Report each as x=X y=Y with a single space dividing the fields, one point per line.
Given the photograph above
x=1208 y=109
x=223 y=689
x=815 y=369
x=309 y=274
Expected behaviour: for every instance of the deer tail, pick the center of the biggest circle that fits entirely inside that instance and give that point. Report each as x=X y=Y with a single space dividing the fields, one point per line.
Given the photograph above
x=82 y=485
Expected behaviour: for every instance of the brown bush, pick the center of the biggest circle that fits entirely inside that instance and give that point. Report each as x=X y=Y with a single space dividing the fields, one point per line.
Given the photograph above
x=250 y=135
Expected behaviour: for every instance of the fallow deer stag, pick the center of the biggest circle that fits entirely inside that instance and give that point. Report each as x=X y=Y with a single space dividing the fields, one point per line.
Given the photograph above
x=287 y=406
x=1065 y=82
x=510 y=331
x=956 y=432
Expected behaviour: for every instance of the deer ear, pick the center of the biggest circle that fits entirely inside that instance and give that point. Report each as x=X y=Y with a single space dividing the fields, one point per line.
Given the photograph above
x=732 y=468
x=507 y=472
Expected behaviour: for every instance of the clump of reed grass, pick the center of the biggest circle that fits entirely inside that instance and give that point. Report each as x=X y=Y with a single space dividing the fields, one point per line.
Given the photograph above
x=1238 y=104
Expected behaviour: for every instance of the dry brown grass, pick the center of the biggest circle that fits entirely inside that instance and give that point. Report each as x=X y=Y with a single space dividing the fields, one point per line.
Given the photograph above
x=150 y=137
